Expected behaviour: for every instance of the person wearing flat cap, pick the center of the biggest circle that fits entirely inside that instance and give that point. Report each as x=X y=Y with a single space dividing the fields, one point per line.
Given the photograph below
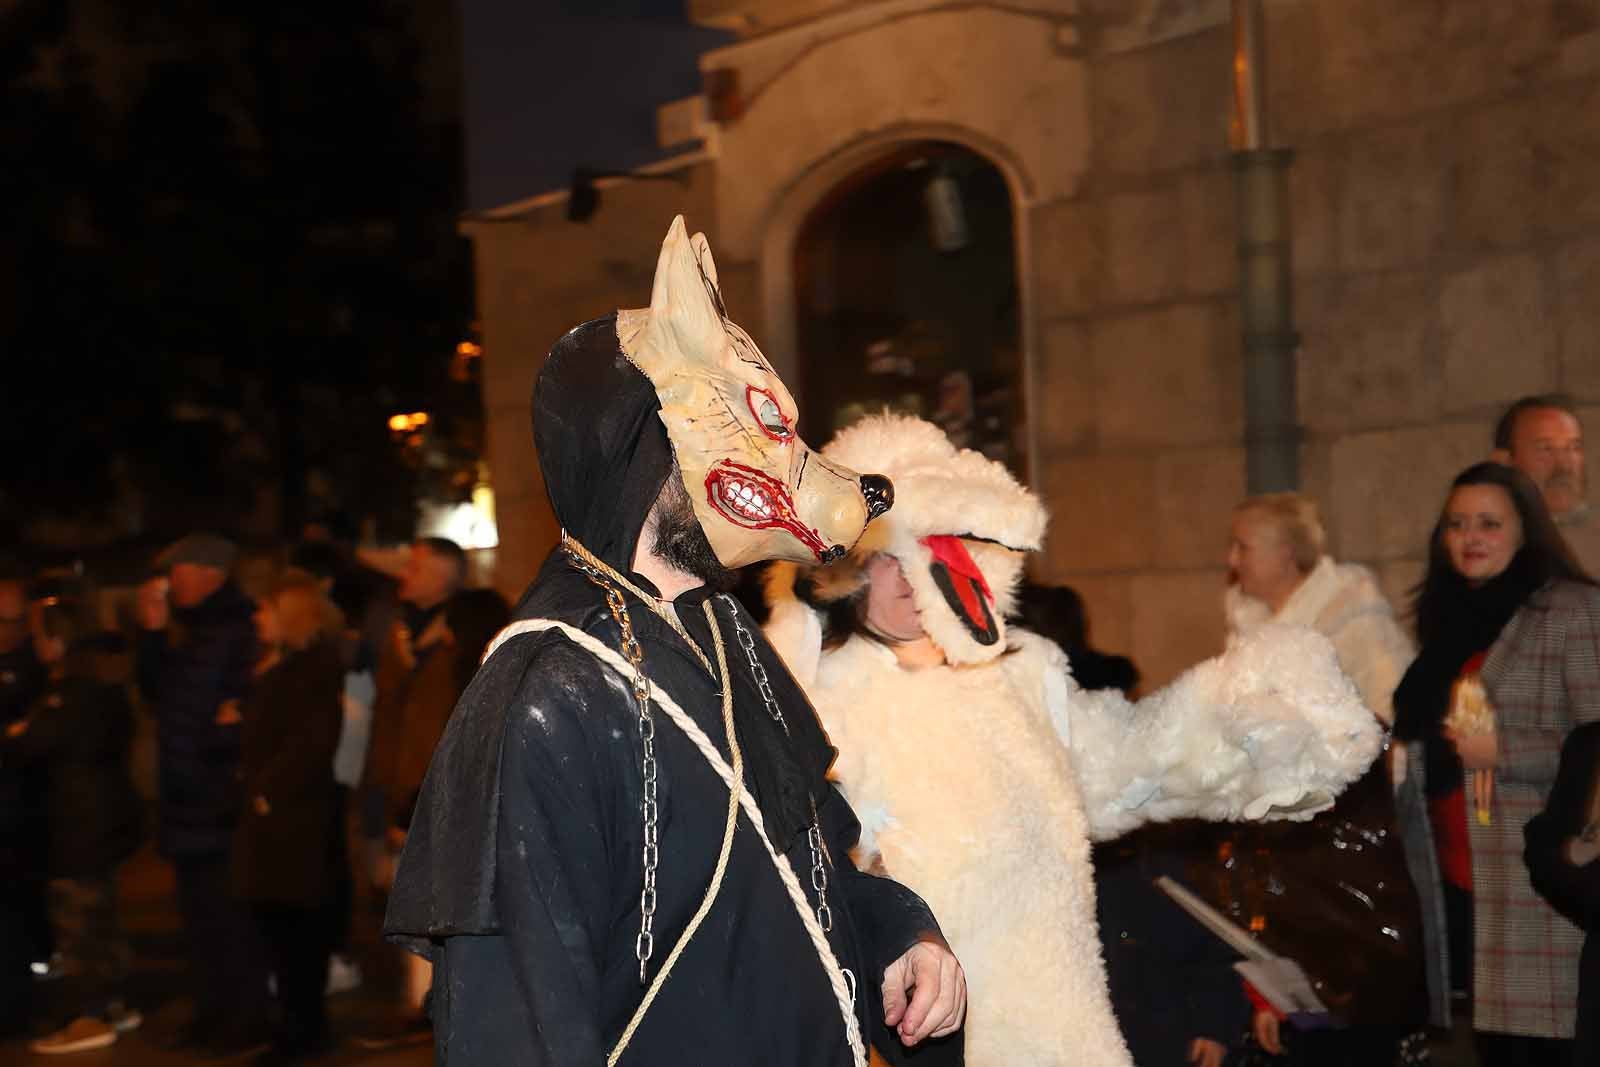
x=196 y=651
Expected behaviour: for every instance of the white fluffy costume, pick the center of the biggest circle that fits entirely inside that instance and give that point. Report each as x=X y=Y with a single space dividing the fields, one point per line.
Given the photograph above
x=982 y=781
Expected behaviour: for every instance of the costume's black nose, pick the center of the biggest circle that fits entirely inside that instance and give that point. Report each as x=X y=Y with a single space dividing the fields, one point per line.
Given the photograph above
x=879 y=492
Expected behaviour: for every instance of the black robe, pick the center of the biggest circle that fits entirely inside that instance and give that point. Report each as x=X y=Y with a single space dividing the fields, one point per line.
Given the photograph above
x=522 y=872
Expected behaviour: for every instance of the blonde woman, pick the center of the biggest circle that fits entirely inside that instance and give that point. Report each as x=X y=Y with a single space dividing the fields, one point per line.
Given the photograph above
x=284 y=849
x=1385 y=893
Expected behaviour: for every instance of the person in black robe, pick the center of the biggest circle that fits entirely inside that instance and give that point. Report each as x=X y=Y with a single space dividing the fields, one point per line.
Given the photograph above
x=1561 y=846
x=524 y=873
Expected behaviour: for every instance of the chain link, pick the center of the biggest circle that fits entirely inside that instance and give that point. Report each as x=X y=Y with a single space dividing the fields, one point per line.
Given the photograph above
x=748 y=643
x=819 y=848
x=644 y=945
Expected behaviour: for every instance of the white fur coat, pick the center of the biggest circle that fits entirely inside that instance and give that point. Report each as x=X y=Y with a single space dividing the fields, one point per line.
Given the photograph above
x=1342 y=601
x=981 y=787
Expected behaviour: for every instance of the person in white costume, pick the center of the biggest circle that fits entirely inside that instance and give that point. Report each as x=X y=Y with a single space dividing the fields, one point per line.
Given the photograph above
x=981 y=773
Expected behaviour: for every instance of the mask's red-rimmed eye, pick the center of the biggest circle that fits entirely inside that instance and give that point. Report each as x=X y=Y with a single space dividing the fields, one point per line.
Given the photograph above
x=764 y=406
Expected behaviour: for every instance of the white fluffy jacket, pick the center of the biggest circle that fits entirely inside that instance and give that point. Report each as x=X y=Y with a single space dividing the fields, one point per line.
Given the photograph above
x=1342 y=602
x=981 y=787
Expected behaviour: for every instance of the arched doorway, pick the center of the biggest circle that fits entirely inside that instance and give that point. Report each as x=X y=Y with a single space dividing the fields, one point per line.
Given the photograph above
x=906 y=296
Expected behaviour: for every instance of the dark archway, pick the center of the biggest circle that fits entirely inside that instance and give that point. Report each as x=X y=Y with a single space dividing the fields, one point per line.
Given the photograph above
x=906 y=296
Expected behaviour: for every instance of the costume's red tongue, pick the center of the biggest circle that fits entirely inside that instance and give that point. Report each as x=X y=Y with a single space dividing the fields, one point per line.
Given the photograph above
x=971 y=588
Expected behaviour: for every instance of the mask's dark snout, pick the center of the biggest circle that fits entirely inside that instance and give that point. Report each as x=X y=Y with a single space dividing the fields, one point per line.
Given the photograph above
x=879 y=492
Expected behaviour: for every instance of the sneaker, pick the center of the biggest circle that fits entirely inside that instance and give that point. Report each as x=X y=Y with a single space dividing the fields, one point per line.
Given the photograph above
x=344 y=974
x=80 y=1035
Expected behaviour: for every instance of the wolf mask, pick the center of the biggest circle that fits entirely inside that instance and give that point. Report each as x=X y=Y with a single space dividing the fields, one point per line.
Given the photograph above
x=758 y=491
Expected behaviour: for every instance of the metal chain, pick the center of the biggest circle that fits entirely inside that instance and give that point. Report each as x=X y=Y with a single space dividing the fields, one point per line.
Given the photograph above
x=819 y=855
x=748 y=643
x=602 y=574
x=644 y=945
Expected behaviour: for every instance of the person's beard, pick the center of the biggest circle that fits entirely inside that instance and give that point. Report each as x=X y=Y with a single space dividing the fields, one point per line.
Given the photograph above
x=1566 y=478
x=679 y=540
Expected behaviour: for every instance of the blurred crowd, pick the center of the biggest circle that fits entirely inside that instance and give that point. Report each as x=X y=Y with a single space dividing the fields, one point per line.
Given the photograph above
x=1454 y=883
x=293 y=724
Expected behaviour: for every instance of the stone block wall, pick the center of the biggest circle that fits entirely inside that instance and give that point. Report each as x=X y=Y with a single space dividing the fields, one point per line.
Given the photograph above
x=1445 y=198
x=1445 y=194
x=1139 y=375
x=1446 y=213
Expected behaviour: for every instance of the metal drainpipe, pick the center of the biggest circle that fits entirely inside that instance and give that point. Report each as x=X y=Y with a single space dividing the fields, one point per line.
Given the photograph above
x=1272 y=430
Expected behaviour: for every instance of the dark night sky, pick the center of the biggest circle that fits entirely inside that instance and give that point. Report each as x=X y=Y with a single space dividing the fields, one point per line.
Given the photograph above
x=553 y=85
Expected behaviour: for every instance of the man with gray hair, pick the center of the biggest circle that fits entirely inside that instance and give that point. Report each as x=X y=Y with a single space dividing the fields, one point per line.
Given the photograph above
x=1542 y=436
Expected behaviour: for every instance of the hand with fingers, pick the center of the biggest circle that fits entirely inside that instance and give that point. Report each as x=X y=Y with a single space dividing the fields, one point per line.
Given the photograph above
x=1204 y=1052
x=925 y=992
x=1267 y=1031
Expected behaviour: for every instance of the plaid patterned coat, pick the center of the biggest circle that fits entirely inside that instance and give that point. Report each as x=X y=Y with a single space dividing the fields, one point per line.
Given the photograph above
x=1543 y=678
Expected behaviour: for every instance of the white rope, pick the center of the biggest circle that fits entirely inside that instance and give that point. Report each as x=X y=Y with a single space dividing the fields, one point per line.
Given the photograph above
x=726 y=849
x=691 y=729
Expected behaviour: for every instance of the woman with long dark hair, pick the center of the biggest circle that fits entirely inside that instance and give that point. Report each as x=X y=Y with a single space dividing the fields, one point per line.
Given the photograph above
x=1509 y=629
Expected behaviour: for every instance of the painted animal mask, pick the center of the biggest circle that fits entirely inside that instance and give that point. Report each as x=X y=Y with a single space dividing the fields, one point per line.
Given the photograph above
x=759 y=492
x=960 y=531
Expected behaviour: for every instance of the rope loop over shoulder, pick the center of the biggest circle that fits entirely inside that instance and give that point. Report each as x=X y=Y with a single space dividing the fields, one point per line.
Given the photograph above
x=844 y=995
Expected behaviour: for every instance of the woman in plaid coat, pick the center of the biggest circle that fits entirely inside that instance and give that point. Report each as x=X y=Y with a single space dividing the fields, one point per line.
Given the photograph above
x=1505 y=612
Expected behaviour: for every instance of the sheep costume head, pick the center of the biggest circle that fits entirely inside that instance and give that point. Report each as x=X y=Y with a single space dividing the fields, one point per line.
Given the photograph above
x=960 y=529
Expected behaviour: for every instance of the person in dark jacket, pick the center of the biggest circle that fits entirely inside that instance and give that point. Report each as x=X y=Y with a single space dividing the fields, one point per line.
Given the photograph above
x=197 y=650
x=284 y=850
x=1563 y=858
x=79 y=730
x=1172 y=983
x=25 y=938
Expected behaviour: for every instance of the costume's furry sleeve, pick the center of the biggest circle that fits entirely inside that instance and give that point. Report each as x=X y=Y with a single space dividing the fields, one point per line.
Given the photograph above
x=1271 y=729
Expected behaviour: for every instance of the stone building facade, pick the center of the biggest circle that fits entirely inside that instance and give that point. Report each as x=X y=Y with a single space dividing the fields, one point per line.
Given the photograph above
x=1445 y=196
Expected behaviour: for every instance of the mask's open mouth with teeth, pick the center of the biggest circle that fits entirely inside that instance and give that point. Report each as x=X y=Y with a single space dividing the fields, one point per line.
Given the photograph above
x=746 y=497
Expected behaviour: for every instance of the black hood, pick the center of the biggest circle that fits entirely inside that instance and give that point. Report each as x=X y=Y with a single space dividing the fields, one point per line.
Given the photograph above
x=602 y=448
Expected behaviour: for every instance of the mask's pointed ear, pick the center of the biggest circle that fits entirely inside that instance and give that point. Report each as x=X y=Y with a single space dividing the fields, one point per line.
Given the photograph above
x=708 y=271
x=685 y=324
x=685 y=306
x=661 y=291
